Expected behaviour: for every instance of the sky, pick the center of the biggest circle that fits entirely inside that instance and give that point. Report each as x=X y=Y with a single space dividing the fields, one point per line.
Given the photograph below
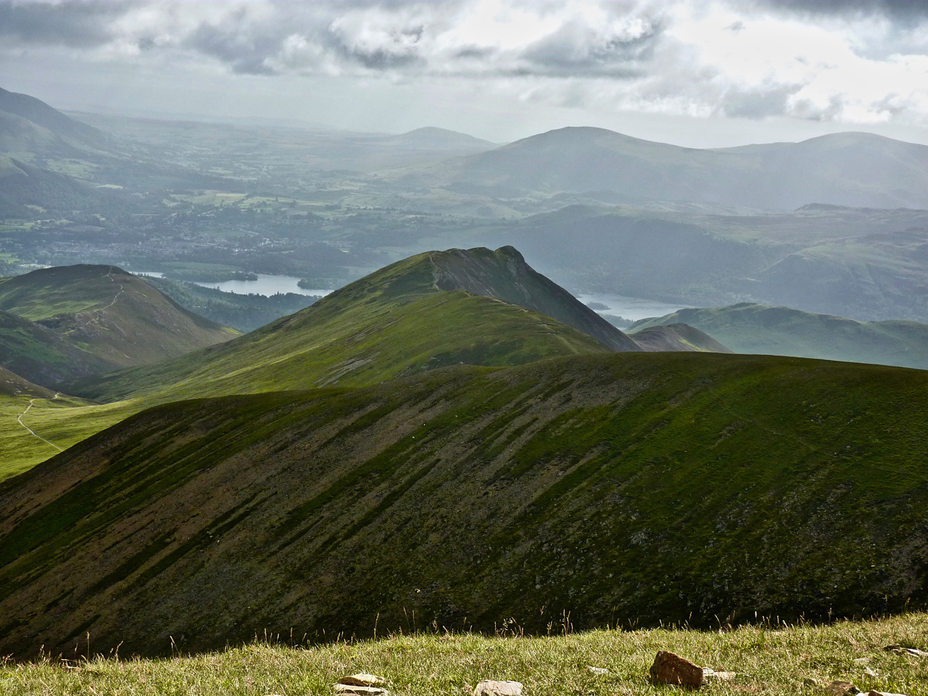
x=697 y=73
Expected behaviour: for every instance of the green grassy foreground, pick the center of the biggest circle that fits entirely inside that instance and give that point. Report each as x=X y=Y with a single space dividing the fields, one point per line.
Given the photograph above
x=767 y=660
x=57 y=424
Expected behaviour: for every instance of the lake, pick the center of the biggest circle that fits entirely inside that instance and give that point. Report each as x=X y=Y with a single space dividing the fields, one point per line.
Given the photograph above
x=266 y=285
x=631 y=308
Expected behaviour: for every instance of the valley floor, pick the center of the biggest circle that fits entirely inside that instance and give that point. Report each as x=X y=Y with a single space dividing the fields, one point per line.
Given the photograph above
x=768 y=659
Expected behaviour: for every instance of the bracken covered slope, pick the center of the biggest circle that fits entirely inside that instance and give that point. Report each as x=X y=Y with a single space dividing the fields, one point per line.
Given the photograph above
x=90 y=319
x=673 y=486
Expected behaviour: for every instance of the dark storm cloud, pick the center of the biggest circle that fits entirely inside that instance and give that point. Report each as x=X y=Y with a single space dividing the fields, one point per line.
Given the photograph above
x=901 y=10
x=338 y=36
x=243 y=46
x=75 y=24
x=576 y=51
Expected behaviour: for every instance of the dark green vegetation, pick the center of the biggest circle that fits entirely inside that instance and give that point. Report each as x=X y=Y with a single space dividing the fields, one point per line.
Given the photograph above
x=242 y=312
x=431 y=310
x=61 y=323
x=628 y=486
x=12 y=384
x=751 y=328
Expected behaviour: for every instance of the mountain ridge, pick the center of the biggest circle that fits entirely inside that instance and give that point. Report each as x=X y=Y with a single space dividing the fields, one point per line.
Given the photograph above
x=67 y=130
x=524 y=492
x=356 y=336
x=831 y=169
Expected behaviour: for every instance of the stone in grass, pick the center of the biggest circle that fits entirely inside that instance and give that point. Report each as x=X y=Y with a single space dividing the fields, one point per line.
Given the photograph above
x=359 y=690
x=906 y=650
x=882 y=693
x=711 y=674
x=488 y=687
x=673 y=669
x=363 y=680
x=841 y=688
x=361 y=685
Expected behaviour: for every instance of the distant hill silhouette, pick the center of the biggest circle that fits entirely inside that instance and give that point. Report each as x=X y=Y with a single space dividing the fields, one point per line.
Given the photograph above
x=853 y=169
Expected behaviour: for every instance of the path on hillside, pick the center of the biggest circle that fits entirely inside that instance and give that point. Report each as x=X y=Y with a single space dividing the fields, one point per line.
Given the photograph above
x=122 y=289
x=93 y=316
x=20 y=417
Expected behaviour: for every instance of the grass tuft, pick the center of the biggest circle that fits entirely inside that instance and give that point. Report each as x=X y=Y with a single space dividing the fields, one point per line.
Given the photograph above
x=769 y=658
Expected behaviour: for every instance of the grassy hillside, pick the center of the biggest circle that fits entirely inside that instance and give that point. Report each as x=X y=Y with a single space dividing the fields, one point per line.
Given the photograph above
x=677 y=337
x=44 y=355
x=77 y=320
x=406 y=318
x=752 y=328
x=35 y=427
x=37 y=423
x=767 y=659
x=675 y=486
x=393 y=323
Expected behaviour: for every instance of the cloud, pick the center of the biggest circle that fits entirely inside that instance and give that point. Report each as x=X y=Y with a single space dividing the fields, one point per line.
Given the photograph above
x=475 y=38
x=79 y=25
x=830 y=60
x=903 y=10
x=578 y=49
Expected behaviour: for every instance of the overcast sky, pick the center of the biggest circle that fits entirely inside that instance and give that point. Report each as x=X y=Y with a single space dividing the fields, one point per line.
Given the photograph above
x=691 y=72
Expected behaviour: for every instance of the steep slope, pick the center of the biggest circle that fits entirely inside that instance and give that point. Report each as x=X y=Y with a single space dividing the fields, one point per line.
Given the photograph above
x=11 y=384
x=753 y=328
x=836 y=169
x=504 y=274
x=22 y=184
x=431 y=310
x=90 y=319
x=41 y=354
x=64 y=129
x=675 y=486
x=677 y=337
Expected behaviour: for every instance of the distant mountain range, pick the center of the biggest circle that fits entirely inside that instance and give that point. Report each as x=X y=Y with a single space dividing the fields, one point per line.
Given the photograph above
x=850 y=169
x=753 y=328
